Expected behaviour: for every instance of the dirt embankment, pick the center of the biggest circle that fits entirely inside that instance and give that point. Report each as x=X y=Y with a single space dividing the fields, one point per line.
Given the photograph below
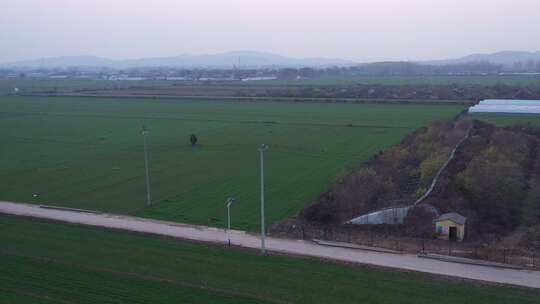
x=493 y=180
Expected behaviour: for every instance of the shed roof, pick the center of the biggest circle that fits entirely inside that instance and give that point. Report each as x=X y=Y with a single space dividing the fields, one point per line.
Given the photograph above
x=452 y=216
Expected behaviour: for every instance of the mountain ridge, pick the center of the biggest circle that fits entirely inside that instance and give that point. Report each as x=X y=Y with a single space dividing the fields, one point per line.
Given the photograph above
x=505 y=58
x=253 y=59
x=219 y=60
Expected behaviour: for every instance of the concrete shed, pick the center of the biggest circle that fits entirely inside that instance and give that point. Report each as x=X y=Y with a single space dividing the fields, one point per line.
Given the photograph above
x=451 y=226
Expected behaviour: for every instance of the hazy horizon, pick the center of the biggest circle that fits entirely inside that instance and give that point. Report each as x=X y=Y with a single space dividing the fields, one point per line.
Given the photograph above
x=261 y=52
x=346 y=29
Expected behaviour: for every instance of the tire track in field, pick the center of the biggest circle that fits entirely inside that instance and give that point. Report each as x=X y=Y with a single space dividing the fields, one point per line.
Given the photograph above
x=268 y=122
x=35 y=295
x=317 y=153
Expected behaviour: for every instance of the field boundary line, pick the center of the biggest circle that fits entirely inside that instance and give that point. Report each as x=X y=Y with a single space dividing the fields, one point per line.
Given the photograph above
x=263 y=122
x=35 y=295
x=69 y=209
x=461 y=260
x=99 y=94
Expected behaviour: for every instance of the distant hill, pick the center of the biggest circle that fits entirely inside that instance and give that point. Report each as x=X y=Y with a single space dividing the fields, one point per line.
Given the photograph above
x=506 y=58
x=222 y=60
x=252 y=59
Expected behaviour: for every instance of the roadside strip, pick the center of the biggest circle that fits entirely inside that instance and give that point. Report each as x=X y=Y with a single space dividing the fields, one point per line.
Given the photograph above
x=408 y=262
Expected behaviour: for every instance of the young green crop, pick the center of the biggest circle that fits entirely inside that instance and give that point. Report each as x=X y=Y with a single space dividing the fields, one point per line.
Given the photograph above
x=88 y=153
x=74 y=264
x=507 y=119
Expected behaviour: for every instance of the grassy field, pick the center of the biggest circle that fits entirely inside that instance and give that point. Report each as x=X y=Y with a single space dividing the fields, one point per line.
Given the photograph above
x=508 y=119
x=45 y=262
x=88 y=153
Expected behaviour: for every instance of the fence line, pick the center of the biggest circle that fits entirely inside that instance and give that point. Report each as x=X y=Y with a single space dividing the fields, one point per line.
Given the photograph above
x=529 y=258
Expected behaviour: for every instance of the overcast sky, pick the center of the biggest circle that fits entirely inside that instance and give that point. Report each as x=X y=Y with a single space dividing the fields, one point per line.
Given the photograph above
x=360 y=30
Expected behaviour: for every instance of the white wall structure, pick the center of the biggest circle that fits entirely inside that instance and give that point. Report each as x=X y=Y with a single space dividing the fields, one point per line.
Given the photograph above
x=390 y=216
x=507 y=106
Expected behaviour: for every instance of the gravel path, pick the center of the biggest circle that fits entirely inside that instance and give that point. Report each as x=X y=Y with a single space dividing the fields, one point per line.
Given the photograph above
x=524 y=278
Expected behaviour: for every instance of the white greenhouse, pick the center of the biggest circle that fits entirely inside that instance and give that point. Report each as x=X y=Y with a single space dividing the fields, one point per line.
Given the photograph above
x=507 y=106
x=390 y=216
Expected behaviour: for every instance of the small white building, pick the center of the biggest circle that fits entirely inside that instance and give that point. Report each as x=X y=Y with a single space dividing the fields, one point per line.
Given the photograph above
x=451 y=226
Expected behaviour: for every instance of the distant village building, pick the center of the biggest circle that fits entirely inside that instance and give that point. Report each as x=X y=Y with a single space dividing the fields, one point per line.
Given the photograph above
x=451 y=226
x=259 y=78
x=125 y=78
x=177 y=78
x=58 y=76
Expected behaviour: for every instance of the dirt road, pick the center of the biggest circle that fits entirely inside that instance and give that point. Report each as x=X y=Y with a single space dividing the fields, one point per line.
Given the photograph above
x=524 y=278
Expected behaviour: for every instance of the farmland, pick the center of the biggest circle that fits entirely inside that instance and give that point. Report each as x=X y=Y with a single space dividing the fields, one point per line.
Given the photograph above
x=488 y=80
x=88 y=153
x=508 y=119
x=58 y=263
x=68 y=85
x=359 y=89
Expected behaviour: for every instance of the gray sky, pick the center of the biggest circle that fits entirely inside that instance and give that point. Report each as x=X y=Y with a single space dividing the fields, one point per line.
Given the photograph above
x=360 y=30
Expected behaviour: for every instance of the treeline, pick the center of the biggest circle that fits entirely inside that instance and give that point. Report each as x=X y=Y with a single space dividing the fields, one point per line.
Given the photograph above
x=412 y=69
x=372 y=69
x=526 y=66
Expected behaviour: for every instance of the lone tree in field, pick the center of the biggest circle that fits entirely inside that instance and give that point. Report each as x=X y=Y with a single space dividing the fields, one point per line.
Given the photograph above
x=193 y=139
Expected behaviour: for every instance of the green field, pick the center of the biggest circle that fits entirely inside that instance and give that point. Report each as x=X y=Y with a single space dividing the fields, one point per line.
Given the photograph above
x=88 y=153
x=508 y=119
x=45 y=262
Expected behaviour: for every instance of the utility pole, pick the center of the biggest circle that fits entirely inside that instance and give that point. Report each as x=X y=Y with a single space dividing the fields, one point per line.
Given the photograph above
x=144 y=134
x=262 y=148
x=229 y=202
